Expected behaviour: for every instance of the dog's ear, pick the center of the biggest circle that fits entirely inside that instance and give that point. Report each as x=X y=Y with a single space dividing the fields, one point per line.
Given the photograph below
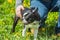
x=33 y=9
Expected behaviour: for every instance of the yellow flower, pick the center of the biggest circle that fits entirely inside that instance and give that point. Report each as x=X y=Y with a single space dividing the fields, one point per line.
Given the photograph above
x=9 y=1
x=28 y=33
x=6 y=38
x=43 y=29
x=12 y=10
x=26 y=4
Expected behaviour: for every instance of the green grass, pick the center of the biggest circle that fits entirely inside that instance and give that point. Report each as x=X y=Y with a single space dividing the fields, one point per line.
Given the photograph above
x=6 y=21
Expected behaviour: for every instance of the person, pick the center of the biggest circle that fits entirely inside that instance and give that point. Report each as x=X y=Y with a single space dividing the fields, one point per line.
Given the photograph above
x=43 y=8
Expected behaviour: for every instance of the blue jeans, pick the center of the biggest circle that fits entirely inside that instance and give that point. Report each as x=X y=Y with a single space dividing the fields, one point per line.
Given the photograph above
x=43 y=8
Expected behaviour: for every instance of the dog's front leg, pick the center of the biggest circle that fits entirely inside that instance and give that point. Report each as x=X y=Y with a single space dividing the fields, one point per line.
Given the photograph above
x=35 y=33
x=24 y=31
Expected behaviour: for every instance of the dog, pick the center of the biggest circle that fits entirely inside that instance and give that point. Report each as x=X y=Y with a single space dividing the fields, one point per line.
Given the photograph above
x=30 y=17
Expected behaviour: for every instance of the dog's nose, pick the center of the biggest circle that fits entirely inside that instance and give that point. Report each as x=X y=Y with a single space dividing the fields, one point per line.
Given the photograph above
x=24 y=21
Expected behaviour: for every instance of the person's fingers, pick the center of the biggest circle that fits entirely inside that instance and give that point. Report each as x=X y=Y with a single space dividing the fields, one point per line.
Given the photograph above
x=18 y=13
x=19 y=10
x=22 y=8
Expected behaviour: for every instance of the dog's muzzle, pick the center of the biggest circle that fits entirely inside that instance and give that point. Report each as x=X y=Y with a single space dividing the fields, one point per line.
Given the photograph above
x=26 y=17
x=25 y=21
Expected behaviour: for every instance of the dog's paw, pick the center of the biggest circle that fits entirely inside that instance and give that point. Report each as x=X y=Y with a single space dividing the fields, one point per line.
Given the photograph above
x=23 y=35
x=34 y=38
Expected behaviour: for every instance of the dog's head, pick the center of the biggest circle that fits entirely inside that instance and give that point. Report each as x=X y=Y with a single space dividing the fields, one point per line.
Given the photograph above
x=29 y=15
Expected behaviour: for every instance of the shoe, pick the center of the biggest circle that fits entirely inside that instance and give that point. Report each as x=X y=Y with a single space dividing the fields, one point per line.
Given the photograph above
x=41 y=26
x=57 y=31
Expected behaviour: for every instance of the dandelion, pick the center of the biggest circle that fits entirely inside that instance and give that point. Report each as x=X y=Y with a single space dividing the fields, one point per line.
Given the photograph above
x=12 y=10
x=28 y=33
x=9 y=1
x=26 y=3
x=43 y=29
x=6 y=38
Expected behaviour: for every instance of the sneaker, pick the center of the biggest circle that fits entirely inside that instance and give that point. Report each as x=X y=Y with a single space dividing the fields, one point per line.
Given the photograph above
x=57 y=31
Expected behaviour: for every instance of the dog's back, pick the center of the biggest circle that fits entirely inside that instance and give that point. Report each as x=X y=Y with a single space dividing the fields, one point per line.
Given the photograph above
x=30 y=15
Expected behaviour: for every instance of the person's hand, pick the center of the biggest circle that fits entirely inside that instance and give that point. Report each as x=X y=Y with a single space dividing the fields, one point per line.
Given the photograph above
x=19 y=9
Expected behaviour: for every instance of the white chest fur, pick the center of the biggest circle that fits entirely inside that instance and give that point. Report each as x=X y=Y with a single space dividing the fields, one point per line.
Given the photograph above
x=34 y=25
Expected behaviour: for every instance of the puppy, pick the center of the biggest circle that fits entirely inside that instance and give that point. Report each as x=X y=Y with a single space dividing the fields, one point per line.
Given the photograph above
x=30 y=17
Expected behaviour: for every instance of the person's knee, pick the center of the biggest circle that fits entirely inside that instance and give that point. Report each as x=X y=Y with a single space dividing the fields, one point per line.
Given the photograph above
x=58 y=3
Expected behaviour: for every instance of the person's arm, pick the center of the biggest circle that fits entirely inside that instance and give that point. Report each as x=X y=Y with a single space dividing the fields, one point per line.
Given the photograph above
x=19 y=8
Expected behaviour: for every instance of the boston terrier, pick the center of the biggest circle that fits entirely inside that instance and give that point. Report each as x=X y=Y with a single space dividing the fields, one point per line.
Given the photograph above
x=31 y=19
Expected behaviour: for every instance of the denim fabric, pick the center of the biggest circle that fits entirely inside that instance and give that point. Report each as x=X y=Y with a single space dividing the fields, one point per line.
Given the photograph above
x=57 y=29
x=43 y=8
x=58 y=4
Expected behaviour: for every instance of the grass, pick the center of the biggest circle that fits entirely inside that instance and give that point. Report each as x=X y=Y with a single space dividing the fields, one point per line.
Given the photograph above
x=6 y=20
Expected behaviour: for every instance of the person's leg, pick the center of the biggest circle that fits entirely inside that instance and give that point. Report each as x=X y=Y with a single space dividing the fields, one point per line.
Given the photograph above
x=58 y=5
x=42 y=10
x=57 y=28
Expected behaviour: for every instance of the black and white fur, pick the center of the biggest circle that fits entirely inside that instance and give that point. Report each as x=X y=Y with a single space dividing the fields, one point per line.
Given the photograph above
x=29 y=16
